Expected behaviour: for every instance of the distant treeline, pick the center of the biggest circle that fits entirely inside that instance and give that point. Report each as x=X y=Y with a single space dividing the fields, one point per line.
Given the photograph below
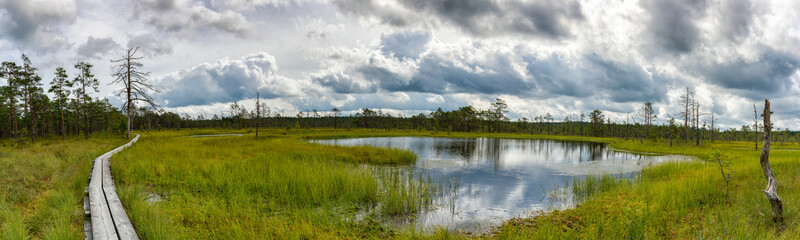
x=26 y=112
x=464 y=119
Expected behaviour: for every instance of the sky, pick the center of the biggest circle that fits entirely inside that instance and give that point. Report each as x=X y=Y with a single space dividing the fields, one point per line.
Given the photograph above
x=414 y=56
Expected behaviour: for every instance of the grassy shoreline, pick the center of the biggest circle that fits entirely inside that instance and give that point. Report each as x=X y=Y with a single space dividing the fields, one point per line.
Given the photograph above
x=209 y=189
x=673 y=200
x=237 y=187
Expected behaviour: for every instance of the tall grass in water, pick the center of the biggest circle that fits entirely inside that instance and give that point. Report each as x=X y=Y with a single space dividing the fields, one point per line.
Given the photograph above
x=585 y=187
x=677 y=200
x=403 y=194
x=276 y=187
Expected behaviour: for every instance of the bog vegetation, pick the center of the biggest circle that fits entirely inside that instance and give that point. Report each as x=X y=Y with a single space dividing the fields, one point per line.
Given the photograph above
x=41 y=185
x=276 y=185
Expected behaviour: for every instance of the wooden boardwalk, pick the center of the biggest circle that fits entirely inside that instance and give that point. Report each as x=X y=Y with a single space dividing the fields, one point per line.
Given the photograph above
x=108 y=218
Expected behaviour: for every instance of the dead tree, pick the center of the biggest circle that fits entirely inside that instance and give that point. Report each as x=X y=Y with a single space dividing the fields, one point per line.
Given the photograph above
x=648 y=115
x=697 y=122
x=772 y=183
x=135 y=85
x=712 y=127
x=258 y=112
x=755 y=125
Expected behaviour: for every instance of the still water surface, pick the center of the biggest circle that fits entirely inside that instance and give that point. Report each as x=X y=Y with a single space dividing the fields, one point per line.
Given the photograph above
x=494 y=179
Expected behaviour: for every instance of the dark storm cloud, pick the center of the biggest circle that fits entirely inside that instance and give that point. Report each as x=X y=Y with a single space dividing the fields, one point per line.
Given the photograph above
x=467 y=14
x=737 y=16
x=35 y=24
x=404 y=44
x=437 y=74
x=626 y=82
x=595 y=76
x=549 y=19
x=672 y=25
x=556 y=77
x=97 y=48
x=179 y=16
x=769 y=75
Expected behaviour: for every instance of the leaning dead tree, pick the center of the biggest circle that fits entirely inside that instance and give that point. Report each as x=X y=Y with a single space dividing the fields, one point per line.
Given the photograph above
x=135 y=85
x=772 y=183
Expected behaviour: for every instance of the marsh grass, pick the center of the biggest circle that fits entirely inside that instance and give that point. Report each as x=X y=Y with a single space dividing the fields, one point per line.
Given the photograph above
x=211 y=189
x=41 y=185
x=237 y=187
x=676 y=199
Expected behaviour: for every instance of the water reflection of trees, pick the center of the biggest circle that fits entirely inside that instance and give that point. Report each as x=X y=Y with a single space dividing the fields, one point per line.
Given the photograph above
x=498 y=151
x=501 y=153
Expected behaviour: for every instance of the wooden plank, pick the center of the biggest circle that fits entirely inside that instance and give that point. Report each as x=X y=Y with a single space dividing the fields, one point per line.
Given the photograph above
x=102 y=224
x=121 y=221
x=108 y=217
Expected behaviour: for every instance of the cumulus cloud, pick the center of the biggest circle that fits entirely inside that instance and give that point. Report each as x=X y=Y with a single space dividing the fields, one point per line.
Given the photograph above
x=404 y=44
x=229 y=80
x=436 y=99
x=186 y=15
x=97 y=48
x=149 y=45
x=479 y=68
x=36 y=24
x=550 y=19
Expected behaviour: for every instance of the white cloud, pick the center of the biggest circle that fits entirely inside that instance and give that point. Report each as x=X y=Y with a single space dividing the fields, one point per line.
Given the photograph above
x=416 y=56
x=230 y=80
x=436 y=99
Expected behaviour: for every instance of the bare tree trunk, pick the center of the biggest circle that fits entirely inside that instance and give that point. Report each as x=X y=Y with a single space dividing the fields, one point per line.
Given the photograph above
x=772 y=184
x=128 y=103
x=755 y=125
x=61 y=109
x=13 y=104
x=85 y=115
x=258 y=112
x=712 y=127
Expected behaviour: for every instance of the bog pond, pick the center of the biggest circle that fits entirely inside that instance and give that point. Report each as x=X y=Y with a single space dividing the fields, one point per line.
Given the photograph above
x=493 y=180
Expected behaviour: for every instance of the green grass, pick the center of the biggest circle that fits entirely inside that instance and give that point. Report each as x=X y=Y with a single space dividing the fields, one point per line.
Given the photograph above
x=237 y=187
x=209 y=194
x=41 y=185
x=677 y=200
x=282 y=187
